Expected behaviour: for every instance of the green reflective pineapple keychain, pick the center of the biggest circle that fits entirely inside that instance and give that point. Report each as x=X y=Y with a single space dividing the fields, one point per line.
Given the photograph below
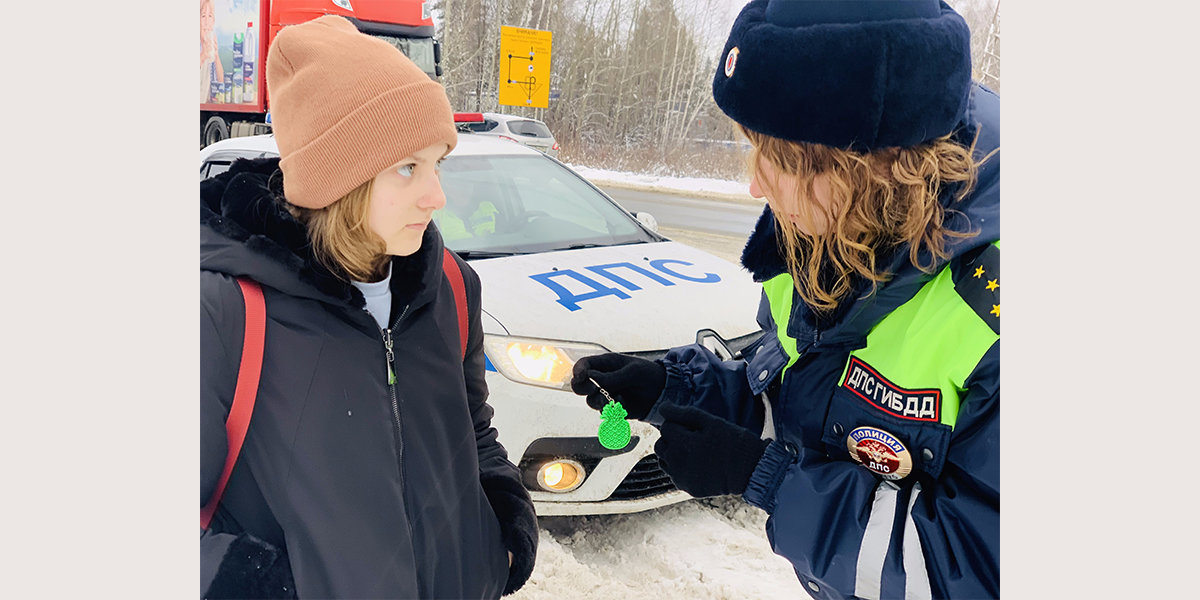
x=614 y=429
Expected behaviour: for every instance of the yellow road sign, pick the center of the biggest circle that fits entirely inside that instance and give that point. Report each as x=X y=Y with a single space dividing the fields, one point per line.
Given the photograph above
x=524 y=67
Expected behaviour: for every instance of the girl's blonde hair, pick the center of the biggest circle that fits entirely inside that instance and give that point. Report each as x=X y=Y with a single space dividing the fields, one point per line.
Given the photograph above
x=341 y=237
x=881 y=200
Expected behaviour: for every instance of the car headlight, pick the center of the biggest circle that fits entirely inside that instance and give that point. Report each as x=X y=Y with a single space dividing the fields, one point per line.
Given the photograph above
x=537 y=362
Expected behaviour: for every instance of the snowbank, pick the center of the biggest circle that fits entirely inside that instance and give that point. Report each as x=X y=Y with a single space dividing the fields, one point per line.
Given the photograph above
x=712 y=548
x=721 y=189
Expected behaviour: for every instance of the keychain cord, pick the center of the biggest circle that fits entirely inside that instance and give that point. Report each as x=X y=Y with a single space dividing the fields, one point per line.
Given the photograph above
x=602 y=390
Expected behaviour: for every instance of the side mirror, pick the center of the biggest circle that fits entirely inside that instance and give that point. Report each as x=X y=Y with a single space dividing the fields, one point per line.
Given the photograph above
x=648 y=220
x=437 y=57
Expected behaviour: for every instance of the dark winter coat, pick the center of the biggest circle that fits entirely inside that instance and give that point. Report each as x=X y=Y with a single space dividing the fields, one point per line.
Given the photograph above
x=349 y=486
x=935 y=530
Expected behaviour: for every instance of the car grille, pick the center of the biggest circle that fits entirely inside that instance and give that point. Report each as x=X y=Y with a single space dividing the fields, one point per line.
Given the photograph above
x=645 y=480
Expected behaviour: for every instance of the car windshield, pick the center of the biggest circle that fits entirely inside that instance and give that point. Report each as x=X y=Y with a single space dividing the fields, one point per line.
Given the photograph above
x=529 y=129
x=219 y=162
x=498 y=205
x=482 y=127
x=418 y=50
x=212 y=168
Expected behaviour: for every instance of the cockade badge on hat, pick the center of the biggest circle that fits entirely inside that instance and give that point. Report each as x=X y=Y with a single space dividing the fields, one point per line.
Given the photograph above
x=731 y=61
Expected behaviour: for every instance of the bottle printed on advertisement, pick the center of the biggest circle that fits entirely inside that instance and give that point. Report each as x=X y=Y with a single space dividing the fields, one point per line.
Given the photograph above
x=228 y=87
x=238 y=80
x=216 y=88
x=249 y=59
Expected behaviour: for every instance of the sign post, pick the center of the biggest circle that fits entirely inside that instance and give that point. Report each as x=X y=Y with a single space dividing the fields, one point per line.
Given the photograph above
x=524 y=67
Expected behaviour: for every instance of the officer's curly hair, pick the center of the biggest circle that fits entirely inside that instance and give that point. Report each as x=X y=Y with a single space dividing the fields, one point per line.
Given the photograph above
x=881 y=200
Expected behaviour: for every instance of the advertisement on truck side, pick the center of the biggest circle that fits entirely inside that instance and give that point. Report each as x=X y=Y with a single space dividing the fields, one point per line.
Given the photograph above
x=229 y=48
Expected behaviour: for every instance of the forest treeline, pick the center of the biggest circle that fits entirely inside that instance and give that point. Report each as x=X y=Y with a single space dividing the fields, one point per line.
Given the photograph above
x=630 y=80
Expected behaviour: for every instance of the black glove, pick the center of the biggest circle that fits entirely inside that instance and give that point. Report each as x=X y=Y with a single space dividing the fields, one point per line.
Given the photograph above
x=518 y=526
x=252 y=568
x=634 y=382
x=706 y=455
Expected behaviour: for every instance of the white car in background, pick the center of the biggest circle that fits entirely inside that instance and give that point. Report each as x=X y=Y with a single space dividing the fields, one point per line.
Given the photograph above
x=566 y=273
x=523 y=130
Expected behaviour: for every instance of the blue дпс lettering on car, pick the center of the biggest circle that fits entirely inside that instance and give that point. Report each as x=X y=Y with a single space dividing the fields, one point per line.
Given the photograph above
x=571 y=300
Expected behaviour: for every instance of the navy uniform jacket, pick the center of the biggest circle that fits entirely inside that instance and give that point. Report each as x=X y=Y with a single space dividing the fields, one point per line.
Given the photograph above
x=848 y=531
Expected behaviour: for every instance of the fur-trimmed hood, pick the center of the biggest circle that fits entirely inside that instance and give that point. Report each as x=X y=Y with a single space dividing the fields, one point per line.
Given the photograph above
x=761 y=255
x=245 y=230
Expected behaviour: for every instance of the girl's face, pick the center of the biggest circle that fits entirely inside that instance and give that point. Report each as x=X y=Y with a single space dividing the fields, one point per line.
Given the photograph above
x=207 y=20
x=403 y=198
x=785 y=195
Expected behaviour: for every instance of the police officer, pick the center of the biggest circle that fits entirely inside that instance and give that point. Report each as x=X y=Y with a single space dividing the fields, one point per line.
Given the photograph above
x=866 y=418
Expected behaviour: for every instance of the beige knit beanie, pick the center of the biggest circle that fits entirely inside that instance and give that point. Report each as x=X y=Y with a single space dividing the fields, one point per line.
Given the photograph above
x=346 y=106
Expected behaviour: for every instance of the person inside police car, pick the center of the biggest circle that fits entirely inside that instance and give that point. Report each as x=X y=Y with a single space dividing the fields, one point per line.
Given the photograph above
x=370 y=468
x=467 y=216
x=878 y=253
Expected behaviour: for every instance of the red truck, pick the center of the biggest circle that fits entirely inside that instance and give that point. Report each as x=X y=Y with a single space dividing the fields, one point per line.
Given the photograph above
x=235 y=35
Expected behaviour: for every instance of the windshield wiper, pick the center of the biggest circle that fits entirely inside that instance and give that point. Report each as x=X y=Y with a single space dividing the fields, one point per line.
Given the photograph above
x=580 y=246
x=469 y=254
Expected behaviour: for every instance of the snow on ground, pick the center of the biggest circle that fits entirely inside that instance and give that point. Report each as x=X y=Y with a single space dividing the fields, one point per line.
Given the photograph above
x=693 y=186
x=713 y=548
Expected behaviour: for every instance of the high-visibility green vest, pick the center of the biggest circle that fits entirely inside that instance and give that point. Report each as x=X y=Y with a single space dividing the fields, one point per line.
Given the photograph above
x=481 y=222
x=932 y=341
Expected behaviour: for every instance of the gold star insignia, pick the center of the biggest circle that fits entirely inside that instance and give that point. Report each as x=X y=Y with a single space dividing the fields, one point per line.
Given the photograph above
x=979 y=272
x=996 y=309
x=993 y=284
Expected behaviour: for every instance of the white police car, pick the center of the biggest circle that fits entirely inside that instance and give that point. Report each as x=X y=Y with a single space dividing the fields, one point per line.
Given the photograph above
x=566 y=273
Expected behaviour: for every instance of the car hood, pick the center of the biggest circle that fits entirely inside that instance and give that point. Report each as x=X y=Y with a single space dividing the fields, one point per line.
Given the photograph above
x=634 y=298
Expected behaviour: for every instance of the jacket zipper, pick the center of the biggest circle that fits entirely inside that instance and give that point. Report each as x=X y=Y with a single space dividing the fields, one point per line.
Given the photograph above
x=391 y=356
x=801 y=356
x=387 y=346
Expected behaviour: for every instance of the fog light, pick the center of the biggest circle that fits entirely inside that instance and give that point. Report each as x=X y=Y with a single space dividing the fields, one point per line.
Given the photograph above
x=560 y=476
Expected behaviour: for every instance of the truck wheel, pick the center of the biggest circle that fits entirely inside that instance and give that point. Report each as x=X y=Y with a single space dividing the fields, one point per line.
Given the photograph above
x=215 y=130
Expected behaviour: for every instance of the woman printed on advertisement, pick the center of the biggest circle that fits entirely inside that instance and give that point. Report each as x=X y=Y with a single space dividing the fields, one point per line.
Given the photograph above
x=210 y=63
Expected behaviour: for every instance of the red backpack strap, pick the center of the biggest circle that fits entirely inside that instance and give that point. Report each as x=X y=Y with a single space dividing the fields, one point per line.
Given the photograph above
x=245 y=392
x=450 y=266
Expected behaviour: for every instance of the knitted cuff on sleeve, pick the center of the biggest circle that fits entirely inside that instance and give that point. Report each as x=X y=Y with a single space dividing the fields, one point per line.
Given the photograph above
x=678 y=390
x=765 y=480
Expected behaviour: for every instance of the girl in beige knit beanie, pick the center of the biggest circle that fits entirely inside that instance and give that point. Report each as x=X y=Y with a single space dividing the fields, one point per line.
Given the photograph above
x=370 y=468
x=360 y=128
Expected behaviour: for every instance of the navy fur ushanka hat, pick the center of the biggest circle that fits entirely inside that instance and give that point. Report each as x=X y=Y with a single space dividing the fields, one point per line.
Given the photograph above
x=858 y=74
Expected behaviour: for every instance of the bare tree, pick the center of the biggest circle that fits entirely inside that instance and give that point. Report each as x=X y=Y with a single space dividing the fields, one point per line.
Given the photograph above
x=630 y=80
